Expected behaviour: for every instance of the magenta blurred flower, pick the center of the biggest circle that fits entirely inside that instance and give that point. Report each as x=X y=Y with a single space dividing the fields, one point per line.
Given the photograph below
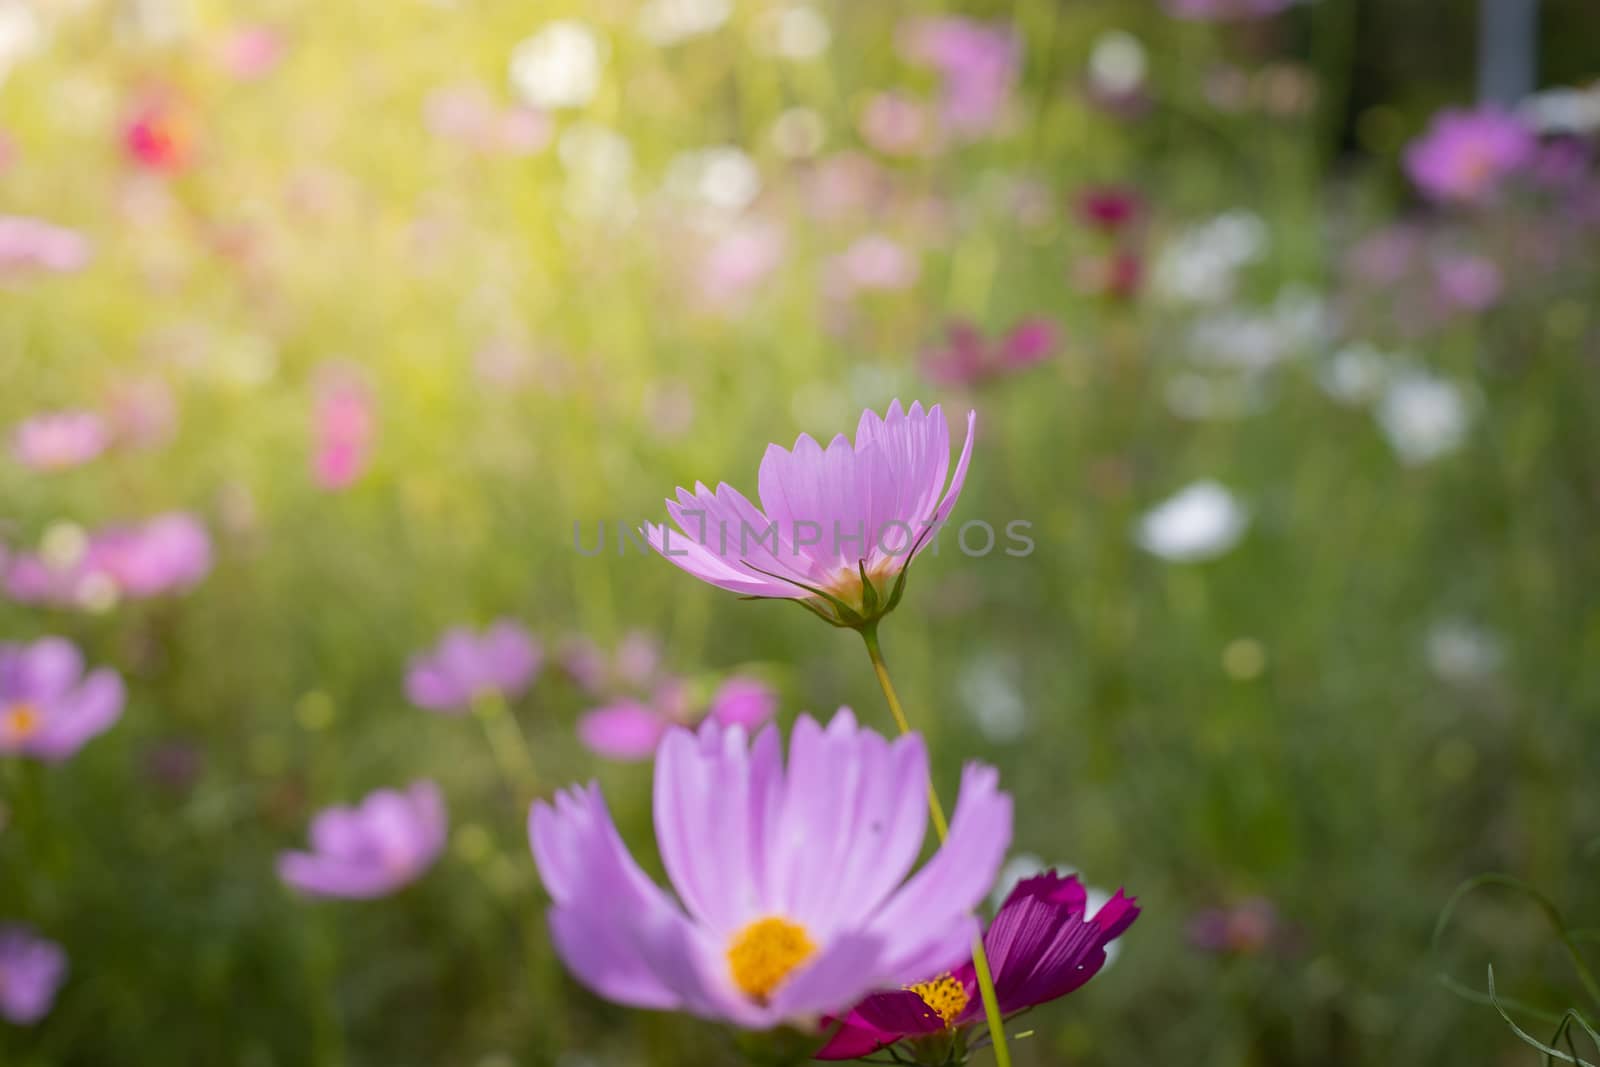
x=59 y=440
x=48 y=707
x=250 y=52
x=978 y=63
x=1245 y=929
x=31 y=971
x=1468 y=282
x=160 y=135
x=630 y=729
x=167 y=554
x=837 y=527
x=385 y=844
x=1042 y=945
x=897 y=125
x=1225 y=9
x=1110 y=208
x=33 y=246
x=792 y=898
x=1466 y=155
x=465 y=666
x=968 y=358
x=345 y=423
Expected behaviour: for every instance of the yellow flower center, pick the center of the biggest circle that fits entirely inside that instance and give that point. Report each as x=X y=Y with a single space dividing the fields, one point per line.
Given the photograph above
x=944 y=995
x=763 y=954
x=20 y=720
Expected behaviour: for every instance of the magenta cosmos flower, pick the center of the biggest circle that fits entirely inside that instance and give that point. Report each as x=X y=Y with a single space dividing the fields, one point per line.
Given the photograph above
x=59 y=440
x=969 y=358
x=1042 y=945
x=31 y=970
x=167 y=554
x=837 y=526
x=1465 y=155
x=630 y=729
x=504 y=659
x=792 y=896
x=372 y=850
x=48 y=707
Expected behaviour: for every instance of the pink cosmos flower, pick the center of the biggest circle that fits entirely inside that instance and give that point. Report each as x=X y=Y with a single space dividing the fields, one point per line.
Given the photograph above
x=31 y=971
x=634 y=664
x=978 y=63
x=504 y=659
x=48 y=707
x=1225 y=9
x=737 y=262
x=59 y=440
x=837 y=527
x=872 y=262
x=345 y=424
x=1466 y=155
x=33 y=246
x=368 y=851
x=167 y=554
x=1468 y=282
x=1042 y=945
x=251 y=52
x=631 y=729
x=968 y=358
x=792 y=900
x=897 y=125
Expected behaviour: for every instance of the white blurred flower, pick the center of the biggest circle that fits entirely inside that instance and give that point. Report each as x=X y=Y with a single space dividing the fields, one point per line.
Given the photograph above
x=1200 y=522
x=666 y=22
x=987 y=687
x=1199 y=265
x=1118 y=63
x=599 y=166
x=21 y=34
x=558 y=67
x=798 y=31
x=1355 y=374
x=798 y=133
x=723 y=178
x=1424 y=417
x=1463 y=652
x=1564 y=110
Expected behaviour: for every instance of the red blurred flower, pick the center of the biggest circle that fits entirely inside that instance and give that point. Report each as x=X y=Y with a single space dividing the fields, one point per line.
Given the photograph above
x=160 y=137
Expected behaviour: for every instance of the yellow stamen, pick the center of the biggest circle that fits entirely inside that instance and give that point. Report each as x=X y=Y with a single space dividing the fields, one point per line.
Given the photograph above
x=20 y=720
x=763 y=954
x=944 y=995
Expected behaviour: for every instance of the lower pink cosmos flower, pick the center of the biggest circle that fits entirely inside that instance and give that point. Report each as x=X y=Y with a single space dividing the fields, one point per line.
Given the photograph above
x=630 y=729
x=372 y=850
x=504 y=659
x=792 y=893
x=167 y=554
x=29 y=246
x=968 y=358
x=1466 y=155
x=345 y=423
x=59 y=440
x=31 y=971
x=837 y=527
x=48 y=707
x=1042 y=945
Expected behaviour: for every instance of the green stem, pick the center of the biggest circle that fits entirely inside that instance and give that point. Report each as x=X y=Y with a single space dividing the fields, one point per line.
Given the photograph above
x=980 y=958
x=510 y=748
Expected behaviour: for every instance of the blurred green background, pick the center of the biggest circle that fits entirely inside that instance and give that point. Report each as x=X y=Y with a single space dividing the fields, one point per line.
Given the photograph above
x=1386 y=685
